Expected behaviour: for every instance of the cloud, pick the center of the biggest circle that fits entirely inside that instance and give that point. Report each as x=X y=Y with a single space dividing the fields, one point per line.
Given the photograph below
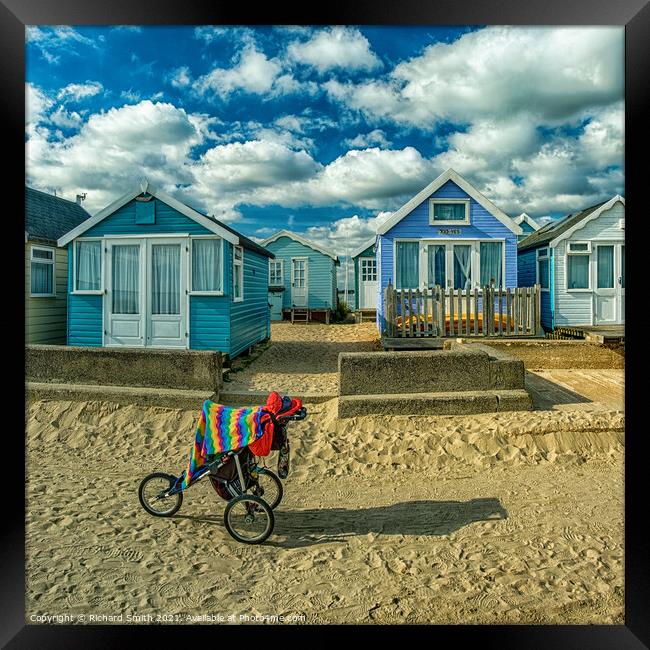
x=52 y=42
x=335 y=48
x=496 y=73
x=76 y=92
x=36 y=104
x=65 y=119
x=180 y=78
x=361 y=141
x=209 y=33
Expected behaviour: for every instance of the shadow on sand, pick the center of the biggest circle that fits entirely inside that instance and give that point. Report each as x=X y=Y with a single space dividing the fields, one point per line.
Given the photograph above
x=418 y=518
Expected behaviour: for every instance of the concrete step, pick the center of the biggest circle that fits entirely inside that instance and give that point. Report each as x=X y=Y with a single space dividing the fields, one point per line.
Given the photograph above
x=456 y=403
x=257 y=397
x=166 y=397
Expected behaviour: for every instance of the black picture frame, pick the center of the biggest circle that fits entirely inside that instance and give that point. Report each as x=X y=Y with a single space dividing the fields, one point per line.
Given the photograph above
x=633 y=14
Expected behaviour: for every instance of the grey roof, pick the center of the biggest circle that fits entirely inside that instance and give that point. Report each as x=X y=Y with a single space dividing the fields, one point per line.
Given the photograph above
x=551 y=230
x=48 y=217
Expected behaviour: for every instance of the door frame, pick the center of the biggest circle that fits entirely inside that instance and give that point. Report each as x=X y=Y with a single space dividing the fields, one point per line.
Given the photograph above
x=363 y=282
x=618 y=292
x=145 y=241
x=306 y=261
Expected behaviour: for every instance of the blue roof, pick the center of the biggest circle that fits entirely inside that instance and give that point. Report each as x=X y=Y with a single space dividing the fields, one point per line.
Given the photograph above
x=48 y=217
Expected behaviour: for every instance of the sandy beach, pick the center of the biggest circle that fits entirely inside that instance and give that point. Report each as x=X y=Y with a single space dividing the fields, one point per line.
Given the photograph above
x=504 y=518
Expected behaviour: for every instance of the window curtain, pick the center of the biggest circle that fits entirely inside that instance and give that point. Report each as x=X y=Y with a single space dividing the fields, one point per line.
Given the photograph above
x=578 y=271
x=462 y=267
x=88 y=265
x=449 y=211
x=436 y=266
x=491 y=264
x=206 y=265
x=407 y=265
x=165 y=279
x=126 y=279
x=605 y=258
x=42 y=278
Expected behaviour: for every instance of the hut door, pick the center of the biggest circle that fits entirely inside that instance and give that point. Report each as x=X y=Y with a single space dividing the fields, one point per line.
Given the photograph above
x=166 y=295
x=299 y=281
x=368 y=284
x=124 y=314
x=610 y=284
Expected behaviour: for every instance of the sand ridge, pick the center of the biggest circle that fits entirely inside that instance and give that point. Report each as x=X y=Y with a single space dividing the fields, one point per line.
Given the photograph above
x=494 y=518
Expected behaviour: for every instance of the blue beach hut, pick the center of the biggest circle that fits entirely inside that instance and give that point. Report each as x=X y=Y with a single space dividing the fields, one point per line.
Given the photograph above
x=150 y=271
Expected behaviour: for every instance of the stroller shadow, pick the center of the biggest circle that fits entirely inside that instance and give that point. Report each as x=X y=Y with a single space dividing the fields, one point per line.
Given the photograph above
x=309 y=527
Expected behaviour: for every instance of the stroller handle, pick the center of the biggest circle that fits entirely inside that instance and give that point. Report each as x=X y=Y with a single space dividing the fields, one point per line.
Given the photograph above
x=301 y=414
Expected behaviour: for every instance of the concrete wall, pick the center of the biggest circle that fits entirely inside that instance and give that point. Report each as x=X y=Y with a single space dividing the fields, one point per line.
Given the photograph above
x=169 y=369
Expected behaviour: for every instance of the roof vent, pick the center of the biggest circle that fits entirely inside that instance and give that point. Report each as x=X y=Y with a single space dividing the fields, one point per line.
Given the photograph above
x=80 y=198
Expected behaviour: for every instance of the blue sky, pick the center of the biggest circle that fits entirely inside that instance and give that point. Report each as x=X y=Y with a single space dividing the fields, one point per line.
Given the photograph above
x=326 y=130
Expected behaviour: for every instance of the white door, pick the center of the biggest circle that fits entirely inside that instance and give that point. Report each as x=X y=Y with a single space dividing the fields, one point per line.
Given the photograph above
x=123 y=304
x=166 y=296
x=609 y=283
x=299 y=281
x=368 y=284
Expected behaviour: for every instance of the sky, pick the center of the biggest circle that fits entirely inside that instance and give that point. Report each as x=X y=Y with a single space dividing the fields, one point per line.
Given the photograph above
x=326 y=131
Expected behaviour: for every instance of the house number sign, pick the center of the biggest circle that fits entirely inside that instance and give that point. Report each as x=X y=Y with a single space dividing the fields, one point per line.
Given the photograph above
x=449 y=231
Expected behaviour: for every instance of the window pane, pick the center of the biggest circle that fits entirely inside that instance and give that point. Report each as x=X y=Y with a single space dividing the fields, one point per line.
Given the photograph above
x=462 y=267
x=206 y=265
x=623 y=266
x=42 y=278
x=491 y=264
x=542 y=272
x=407 y=265
x=88 y=265
x=238 y=252
x=578 y=247
x=165 y=279
x=448 y=211
x=126 y=279
x=38 y=253
x=578 y=271
x=436 y=266
x=605 y=271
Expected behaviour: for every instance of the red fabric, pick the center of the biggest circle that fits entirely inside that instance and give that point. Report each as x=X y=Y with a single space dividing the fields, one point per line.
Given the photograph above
x=262 y=446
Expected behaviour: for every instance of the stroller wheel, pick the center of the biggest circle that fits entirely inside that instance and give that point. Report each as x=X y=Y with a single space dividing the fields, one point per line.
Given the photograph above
x=269 y=487
x=152 y=495
x=249 y=519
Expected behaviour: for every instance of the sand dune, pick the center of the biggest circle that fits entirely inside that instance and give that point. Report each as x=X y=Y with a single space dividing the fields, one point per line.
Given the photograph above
x=495 y=518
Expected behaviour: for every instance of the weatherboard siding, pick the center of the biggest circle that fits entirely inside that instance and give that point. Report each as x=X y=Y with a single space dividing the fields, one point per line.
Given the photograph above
x=415 y=225
x=321 y=284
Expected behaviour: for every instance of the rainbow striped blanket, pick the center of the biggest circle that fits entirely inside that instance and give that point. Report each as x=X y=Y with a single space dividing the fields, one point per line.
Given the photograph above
x=221 y=429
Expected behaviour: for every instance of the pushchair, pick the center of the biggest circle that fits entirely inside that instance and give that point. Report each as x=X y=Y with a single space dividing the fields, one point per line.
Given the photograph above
x=227 y=445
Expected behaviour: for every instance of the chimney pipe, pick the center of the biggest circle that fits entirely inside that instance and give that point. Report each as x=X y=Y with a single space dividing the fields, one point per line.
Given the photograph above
x=80 y=198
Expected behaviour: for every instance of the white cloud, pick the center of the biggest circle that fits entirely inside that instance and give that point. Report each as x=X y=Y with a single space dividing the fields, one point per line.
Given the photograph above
x=336 y=47
x=77 y=92
x=66 y=119
x=494 y=73
x=375 y=138
x=253 y=72
x=36 y=104
x=180 y=77
x=53 y=41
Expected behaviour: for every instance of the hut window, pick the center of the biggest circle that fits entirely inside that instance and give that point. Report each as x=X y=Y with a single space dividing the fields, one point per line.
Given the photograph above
x=238 y=274
x=276 y=275
x=207 y=264
x=42 y=271
x=407 y=265
x=577 y=261
x=491 y=264
x=88 y=265
x=449 y=211
x=543 y=268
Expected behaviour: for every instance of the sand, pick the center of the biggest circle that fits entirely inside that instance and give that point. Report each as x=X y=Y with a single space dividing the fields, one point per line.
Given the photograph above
x=496 y=518
x=303 y=358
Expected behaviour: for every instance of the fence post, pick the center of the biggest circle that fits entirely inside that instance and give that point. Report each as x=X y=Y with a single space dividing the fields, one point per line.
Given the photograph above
x=500 y=311
x=508 y=310
x=475 y=312
x=538 y=310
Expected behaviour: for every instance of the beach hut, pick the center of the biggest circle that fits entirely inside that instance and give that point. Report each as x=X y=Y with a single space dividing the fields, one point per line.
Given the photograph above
x=450 y=235
x=47 y=218
x=302 y=278
x=150 y=271
x=580 y=263
x=366 y=284
x=527 y=224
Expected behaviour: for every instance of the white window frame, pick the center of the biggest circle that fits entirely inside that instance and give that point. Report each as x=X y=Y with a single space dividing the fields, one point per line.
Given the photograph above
x=473 y=242
x=102 y=264
x=40 y=260
x=586 y=253
x=447 y=222
x=237 y=263
x=281 y=282
x=546 y=256
x=366 y=262
x=191 y=279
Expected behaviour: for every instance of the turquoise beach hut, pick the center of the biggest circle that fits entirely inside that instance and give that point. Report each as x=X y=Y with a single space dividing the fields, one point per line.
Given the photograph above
x=150 y=271
x=302 y=278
